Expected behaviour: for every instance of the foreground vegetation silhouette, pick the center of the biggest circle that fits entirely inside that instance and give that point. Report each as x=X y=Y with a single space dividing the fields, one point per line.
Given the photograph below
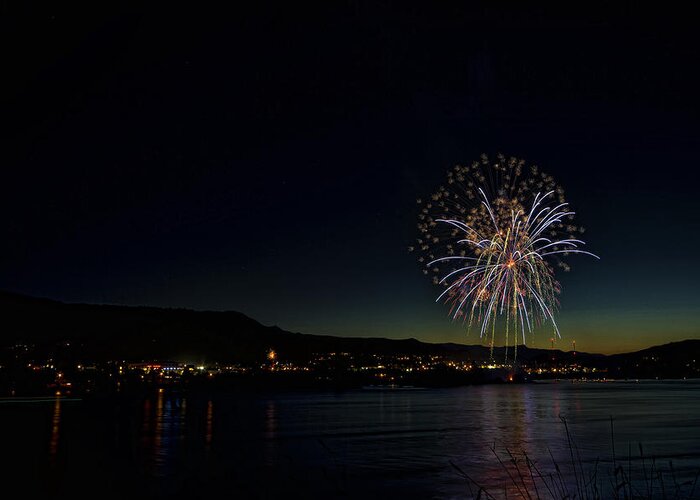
x=536 y=479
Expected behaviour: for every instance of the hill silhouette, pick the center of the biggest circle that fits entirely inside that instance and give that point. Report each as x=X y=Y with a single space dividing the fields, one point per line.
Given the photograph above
x=103 y=332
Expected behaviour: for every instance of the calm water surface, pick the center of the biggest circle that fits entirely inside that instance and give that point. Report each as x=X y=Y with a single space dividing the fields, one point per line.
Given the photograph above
x=368 y=443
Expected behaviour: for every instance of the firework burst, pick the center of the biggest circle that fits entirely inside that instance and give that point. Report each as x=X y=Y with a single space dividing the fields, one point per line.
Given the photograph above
x=491 y=238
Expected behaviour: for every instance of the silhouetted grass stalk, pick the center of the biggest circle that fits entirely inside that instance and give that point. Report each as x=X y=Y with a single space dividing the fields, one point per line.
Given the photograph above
x=530 y=482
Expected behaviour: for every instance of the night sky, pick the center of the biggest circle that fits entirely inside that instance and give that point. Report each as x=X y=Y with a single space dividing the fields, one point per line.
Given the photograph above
x=268 y=160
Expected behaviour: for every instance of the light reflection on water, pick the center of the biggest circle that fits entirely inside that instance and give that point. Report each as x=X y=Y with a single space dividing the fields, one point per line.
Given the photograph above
x=162 y=430
x=55 y=429
x=209 y=434
x=269 y=433
x=388 y=442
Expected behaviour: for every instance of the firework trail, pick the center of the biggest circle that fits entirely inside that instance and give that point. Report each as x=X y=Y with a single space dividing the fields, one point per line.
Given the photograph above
x=491 y=238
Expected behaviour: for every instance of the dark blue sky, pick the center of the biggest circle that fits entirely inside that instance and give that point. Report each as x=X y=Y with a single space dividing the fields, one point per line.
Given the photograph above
x=267 y=160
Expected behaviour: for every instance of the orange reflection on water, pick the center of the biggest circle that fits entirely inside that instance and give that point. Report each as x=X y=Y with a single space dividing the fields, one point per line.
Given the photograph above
x=210 y=417
x=270 y=419
x=146 y=417
x=55 y=428
x=158 y=431
x=270 y=432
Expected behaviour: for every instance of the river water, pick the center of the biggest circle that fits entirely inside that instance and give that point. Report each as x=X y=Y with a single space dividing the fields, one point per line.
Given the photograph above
x=381 y=443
